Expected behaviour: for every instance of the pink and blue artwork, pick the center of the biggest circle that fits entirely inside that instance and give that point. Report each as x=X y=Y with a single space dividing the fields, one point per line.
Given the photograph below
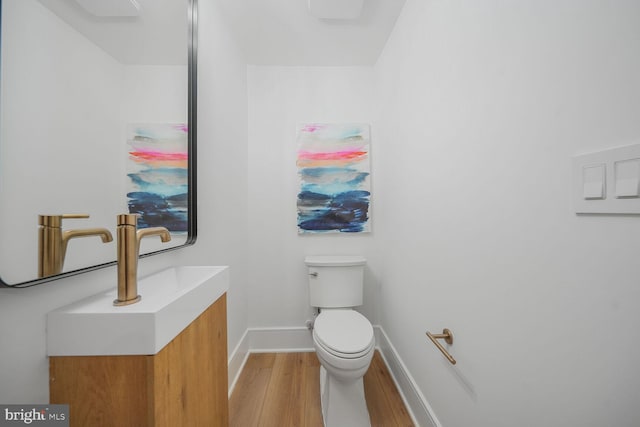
x=158 y=175
x=334 y=172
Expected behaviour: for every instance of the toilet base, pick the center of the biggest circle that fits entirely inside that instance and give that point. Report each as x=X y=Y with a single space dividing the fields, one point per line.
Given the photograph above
x=343 y=402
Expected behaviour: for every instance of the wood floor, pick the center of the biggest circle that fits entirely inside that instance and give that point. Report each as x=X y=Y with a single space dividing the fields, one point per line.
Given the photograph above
x=283 y=390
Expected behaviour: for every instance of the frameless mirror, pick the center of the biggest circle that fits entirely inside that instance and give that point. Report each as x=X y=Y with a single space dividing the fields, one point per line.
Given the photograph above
x=97 y=117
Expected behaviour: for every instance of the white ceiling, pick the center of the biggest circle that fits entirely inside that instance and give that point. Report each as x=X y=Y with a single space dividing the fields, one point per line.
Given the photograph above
x=283 y=32
x=270 y=32
x=158 y=36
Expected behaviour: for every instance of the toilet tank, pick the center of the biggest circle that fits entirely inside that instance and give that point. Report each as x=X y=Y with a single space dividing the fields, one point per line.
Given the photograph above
x=335 y=281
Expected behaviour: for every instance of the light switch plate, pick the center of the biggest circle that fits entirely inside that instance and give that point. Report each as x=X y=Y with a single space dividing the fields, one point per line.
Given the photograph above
x=607 y=181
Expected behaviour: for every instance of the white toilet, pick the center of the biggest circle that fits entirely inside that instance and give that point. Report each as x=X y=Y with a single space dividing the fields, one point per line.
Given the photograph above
x=342 y=337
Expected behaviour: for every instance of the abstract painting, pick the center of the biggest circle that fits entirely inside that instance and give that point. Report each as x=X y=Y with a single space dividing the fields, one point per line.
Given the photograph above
x=157 y=171
x=333 y=167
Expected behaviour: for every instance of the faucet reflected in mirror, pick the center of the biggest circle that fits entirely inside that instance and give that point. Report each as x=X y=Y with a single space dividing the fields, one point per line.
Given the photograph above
x=128 y=252
x=52 y=241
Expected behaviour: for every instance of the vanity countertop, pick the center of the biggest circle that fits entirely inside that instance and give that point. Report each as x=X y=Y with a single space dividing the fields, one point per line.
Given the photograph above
x=171 y=300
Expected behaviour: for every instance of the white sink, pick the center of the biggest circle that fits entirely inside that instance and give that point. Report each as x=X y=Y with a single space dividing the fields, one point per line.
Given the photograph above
x=171 y=300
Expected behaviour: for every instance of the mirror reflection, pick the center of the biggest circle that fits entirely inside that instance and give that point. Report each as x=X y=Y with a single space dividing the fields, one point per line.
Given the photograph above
x=95 y=121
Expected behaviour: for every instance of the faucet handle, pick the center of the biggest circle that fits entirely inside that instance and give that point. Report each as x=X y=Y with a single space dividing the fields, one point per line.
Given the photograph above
x=64 y=216
x=56 y=220
x=128 y=219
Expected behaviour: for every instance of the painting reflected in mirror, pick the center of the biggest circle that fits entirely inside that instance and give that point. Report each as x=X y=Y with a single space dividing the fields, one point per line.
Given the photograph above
x=97 y=118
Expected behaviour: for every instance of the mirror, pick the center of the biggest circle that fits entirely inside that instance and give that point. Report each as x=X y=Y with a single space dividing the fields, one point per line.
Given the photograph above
x=97 y=117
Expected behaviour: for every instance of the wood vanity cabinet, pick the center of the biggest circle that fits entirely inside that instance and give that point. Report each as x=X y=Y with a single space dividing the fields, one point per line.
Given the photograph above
x=185 y=384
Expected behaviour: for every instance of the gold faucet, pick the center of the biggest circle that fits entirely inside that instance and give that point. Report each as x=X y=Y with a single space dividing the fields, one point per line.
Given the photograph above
x=128 y=251
x=52 y=241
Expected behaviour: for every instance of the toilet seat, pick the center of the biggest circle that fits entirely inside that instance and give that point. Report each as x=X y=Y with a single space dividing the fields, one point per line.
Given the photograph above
x=344 y=333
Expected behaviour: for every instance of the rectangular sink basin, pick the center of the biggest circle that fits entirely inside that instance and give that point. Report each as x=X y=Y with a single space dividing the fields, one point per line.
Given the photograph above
x=171 y=300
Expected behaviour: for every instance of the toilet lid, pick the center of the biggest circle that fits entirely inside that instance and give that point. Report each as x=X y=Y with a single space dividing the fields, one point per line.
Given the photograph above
x=343 y=331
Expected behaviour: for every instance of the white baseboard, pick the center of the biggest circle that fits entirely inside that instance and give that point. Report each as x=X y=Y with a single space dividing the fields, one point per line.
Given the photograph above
x=237 y=359
x=298 y=339
x=270 y=340
x=416 y=404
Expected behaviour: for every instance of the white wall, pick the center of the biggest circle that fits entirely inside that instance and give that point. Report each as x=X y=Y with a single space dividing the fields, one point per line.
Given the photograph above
x=222 y=210
x=280 y=98
x=481 y=106
x=152 y=94
x=222 y=161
